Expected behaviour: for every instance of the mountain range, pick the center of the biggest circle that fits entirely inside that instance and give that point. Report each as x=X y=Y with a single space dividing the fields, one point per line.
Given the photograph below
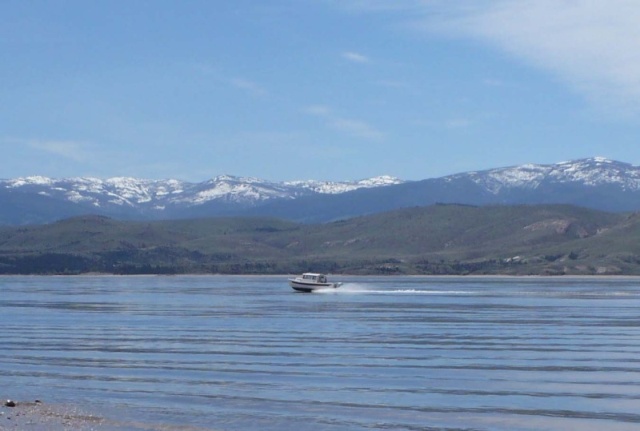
x=596 y=183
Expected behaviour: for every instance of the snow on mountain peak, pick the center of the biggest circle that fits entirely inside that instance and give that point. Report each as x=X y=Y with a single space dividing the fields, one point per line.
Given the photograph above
x=591 y=172
x=382 y=180
x=334 y=187
x=599 y=159
x=134 y=192
x=234 y=179
x=139 y=194
x=31 y=180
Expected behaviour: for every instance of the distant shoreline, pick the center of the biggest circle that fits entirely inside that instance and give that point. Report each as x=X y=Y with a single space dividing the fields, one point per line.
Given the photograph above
x=338 y=275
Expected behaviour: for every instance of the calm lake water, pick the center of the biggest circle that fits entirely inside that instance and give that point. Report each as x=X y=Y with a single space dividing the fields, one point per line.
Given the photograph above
x=380 y=353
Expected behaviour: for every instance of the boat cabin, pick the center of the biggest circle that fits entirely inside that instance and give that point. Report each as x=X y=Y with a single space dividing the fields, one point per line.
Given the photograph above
x=316 y=278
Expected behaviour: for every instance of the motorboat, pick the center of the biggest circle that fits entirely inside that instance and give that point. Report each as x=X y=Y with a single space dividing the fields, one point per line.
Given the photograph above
x=310 y=281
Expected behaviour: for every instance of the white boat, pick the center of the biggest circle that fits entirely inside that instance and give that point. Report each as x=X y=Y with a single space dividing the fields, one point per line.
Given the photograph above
x=310 y=281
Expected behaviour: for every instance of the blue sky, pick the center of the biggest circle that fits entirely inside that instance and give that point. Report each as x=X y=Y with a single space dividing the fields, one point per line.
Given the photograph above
x=314 y=89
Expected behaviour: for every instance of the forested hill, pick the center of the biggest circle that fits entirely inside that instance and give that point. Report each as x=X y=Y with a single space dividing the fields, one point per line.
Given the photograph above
x=439 y=239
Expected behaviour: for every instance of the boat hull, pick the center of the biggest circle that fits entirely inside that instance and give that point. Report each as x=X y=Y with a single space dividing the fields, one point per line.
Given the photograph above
x=302 y=286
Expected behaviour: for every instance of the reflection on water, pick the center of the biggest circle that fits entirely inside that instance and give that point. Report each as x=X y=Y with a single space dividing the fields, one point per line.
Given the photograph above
x=248 y=353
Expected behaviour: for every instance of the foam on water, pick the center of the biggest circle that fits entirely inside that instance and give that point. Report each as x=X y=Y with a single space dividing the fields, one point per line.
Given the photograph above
x=348 y=288
x=363 y=288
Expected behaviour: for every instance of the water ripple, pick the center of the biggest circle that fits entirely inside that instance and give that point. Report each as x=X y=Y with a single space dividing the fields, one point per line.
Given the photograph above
x=246 y=353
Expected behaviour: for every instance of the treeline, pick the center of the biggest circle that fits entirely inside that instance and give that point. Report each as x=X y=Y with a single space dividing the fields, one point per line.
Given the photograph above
x=131 y=264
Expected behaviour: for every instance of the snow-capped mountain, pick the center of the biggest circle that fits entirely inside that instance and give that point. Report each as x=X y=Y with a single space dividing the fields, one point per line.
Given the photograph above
x=97 y=192
x=593 y=172
x=595 y=183
x=159 y=193
x=142 y=198
x=332 y=188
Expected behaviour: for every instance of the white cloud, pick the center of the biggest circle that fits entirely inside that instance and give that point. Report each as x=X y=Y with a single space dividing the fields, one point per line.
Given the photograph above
x=356 y=128
x=355 y=57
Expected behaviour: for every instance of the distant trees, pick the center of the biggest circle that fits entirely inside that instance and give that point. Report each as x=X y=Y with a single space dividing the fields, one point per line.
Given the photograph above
x=47 y=263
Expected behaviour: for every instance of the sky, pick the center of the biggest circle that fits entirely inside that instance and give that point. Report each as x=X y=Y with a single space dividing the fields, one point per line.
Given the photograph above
x=331 y=90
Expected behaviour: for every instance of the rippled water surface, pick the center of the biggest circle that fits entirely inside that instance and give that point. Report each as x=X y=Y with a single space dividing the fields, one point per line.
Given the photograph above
x=379 y=353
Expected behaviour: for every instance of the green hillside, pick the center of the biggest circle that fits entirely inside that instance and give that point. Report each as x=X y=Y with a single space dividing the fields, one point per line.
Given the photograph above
x=440 y=239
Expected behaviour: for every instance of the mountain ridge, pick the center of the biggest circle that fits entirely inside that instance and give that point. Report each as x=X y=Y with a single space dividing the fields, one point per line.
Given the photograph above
x=596 y=182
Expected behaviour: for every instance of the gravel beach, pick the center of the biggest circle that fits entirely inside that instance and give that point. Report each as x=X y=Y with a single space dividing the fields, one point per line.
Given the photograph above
x=39 y=416
x=42 y=416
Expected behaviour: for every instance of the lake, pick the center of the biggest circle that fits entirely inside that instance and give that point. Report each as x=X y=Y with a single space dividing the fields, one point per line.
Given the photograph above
x=379 y=353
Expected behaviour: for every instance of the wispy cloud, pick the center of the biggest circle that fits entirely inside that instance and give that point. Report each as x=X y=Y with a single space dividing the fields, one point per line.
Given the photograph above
x=378 y=5
x=357 y=128
x=492 y=82
x=352 y=127
x=218 y=75
x=392 y=83
x=355 y=57
x=458 y=123
x=318 y=110
x=249 y=87
x=590 y=45
x=70 y=150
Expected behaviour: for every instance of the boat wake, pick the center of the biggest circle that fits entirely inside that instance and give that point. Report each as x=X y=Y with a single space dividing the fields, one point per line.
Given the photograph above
x=361 y=288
